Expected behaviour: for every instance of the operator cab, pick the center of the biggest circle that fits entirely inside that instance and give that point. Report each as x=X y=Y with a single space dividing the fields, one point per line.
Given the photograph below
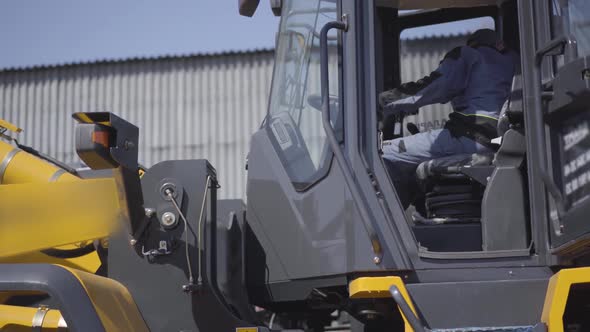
x=466 y=202
x=317 y=179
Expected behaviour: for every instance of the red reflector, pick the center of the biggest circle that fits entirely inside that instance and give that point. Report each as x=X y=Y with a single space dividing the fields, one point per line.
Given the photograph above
x=101 y=137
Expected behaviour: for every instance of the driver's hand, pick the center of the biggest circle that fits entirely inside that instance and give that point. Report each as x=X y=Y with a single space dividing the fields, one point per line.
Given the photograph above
x=389 y=105
x=389 y=96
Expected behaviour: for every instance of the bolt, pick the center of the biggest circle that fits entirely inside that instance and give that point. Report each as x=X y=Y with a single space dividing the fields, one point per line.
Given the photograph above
x=586 y=74
x=132 y=242
x=168 y=191
x=149 y=212
x=128 y=145
x=163 y=245
x=168 y=219
x=104 y=243
x=377 y=260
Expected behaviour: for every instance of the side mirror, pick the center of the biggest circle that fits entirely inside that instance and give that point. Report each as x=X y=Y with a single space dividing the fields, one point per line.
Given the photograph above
x=276 y=6
x=248 y=7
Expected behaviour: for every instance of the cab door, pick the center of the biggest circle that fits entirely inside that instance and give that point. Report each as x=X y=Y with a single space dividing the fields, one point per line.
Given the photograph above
x=298 y=204
x=566 y=113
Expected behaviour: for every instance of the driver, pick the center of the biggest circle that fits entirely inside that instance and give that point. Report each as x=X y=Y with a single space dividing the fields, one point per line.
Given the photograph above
x=476 y=79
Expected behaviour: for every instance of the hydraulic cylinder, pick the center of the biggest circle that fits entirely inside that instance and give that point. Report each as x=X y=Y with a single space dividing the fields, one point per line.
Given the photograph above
x=18 y=166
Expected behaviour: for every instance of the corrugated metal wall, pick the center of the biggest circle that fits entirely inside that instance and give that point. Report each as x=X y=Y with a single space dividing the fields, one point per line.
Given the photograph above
x=193 y=107
x=186 y=107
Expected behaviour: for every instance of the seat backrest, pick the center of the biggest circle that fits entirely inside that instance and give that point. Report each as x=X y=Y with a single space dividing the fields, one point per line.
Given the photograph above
x=512 y=106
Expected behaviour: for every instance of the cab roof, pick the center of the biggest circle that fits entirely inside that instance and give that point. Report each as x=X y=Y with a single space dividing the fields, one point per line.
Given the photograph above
x=248 y=7
x=432 y=4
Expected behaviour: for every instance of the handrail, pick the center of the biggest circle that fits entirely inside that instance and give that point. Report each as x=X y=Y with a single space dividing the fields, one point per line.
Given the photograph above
x=406 y=310
x=341 y=159
x=561 y=41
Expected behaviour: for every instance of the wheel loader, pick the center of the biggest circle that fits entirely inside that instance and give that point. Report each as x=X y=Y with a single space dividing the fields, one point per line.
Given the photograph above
x=321 y=242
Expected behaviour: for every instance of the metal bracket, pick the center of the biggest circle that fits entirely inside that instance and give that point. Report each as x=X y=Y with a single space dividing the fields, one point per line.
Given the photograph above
x=125 y=148
x=38 y=318
x=6 y=161
x=344 y=20
x=161 y=251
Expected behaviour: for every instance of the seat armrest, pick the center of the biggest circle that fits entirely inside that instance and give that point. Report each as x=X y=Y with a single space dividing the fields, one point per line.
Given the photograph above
x=480 y=174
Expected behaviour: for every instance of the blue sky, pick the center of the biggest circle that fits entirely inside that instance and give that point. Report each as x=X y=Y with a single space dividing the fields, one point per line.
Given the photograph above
x=34 y=32
x=42 y=32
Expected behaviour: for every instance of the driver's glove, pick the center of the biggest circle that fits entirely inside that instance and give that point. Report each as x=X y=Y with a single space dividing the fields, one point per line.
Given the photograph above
x=394 y=102
x=389 y=96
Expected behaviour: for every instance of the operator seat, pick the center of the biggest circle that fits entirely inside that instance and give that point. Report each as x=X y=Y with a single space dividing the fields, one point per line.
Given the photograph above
x=483 y=192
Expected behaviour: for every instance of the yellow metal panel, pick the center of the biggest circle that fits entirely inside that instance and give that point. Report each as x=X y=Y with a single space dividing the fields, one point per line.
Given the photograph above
x=37 y=216
x=112 y=301
x=246 y=329
x=17 y=319
x=557 y=294
x=378 y=287
x=82 y=117
x=10 y=126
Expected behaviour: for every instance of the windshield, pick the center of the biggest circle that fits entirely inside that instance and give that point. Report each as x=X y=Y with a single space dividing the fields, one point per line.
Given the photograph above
x=294 y=119
x=572 y=17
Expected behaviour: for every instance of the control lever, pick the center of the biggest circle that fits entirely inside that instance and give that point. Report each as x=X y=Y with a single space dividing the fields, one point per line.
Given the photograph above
x=412 y=128
x=398 y=125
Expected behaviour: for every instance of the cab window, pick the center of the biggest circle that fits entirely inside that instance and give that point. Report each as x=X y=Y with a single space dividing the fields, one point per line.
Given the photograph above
x=294 y=121
x=572 y=18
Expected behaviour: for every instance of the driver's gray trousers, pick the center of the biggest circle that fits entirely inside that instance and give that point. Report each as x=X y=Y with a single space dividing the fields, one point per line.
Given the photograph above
x=403 y=155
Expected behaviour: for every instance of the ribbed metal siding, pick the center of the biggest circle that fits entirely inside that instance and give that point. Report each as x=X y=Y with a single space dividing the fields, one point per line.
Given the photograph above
x=185 y=107
x=194 y=107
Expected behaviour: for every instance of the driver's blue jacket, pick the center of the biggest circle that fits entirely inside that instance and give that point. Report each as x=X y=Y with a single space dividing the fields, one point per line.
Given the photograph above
x=474 y=80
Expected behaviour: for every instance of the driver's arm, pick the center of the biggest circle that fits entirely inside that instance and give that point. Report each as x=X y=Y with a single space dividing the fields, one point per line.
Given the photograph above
x=446 y=82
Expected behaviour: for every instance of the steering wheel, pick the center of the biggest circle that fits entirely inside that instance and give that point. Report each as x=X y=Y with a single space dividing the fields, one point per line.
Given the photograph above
x=315 y=101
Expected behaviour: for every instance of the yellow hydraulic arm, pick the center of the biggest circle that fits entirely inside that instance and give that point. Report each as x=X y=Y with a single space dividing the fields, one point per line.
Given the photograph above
x=18 y=166
x=46 y=209
x=43 y=206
